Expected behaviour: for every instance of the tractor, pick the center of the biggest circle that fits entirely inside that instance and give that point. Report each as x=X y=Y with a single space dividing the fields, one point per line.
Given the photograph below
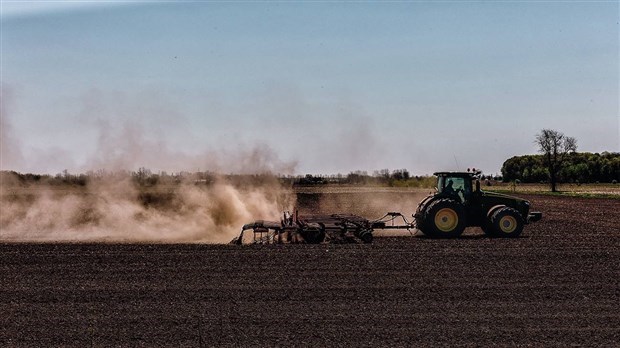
x=459 y=203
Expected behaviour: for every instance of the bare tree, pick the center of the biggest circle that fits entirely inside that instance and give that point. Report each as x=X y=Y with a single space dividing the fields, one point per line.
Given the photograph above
x=555 y=147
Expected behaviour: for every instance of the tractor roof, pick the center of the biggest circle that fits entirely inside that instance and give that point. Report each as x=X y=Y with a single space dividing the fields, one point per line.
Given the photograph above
x=457 y=174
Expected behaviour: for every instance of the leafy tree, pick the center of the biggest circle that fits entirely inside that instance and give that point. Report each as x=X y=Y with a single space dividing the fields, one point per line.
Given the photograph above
x=401 y=174
x=582 y=167
x=555 y=148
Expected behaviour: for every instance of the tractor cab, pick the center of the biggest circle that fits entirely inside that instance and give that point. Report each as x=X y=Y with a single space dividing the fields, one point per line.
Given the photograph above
x=458 y=184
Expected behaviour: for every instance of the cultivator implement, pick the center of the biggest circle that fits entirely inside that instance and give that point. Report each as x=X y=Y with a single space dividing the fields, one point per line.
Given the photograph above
x=314 y=229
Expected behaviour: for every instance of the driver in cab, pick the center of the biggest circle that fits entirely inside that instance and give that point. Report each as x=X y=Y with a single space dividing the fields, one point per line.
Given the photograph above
x=449 y=190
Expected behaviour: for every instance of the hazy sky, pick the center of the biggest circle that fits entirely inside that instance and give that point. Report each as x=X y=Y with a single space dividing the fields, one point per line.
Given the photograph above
x=311 y=87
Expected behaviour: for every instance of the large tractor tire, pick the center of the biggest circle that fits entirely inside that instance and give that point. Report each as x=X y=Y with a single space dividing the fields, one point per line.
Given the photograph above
x=444 y=218
x=505 y=223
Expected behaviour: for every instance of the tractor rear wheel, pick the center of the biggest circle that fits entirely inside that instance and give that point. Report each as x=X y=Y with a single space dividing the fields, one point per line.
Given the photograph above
x=505 y=223
x=444 y=218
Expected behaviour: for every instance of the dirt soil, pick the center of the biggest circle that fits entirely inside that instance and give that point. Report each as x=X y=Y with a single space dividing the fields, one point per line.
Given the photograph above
x=558 y=285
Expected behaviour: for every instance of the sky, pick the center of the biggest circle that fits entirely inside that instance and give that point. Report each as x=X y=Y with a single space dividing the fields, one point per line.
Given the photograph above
x=303 y=87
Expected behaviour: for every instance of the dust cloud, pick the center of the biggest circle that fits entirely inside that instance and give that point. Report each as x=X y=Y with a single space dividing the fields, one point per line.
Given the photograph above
x=372 y=202
x=115 y=209
x=10 y=147
x=110 y=205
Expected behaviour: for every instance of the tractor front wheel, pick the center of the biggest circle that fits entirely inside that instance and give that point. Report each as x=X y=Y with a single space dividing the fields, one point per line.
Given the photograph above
x=506 y=223
x=444 y=218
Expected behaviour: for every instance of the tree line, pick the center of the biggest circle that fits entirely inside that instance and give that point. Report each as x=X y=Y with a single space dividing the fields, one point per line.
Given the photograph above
x=578 y=167
x=383 y=177
x=144 y=177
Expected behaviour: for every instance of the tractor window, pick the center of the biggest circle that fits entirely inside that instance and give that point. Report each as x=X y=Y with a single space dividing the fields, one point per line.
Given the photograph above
x=454 y=185
x=458 y=184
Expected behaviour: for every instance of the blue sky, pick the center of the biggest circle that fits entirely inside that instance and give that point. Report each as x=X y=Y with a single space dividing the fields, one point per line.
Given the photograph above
x=312 y=87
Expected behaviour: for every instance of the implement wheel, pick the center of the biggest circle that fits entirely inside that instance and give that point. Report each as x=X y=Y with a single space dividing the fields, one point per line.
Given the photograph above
x=313 y=235
x=444 y=218
x=505 y=223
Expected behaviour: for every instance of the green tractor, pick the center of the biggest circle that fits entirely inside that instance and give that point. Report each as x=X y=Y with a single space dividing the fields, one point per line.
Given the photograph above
x=459 y=203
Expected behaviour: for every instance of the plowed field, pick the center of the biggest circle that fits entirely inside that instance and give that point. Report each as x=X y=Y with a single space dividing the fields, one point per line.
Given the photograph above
x=557 y=285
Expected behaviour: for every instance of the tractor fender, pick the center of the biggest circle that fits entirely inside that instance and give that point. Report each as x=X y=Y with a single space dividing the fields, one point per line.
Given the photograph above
x=493 y=209
x=422 y=206
x=485 y=223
